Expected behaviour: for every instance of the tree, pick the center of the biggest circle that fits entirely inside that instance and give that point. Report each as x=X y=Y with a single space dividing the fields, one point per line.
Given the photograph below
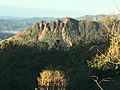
x=109 y=60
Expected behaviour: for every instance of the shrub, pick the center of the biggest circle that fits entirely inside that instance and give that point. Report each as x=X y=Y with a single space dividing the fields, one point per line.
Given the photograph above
x=52 y=79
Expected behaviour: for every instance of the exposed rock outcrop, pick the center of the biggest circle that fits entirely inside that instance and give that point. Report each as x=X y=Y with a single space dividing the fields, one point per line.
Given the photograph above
x=67 y=31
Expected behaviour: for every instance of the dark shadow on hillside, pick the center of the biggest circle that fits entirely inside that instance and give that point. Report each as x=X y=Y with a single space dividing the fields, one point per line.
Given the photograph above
x=20 y=66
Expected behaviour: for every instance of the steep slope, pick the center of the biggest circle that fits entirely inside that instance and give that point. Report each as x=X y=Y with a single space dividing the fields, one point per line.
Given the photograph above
x=67 y=32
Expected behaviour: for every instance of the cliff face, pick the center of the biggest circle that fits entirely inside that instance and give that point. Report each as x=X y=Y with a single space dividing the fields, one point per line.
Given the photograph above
x=68 y=32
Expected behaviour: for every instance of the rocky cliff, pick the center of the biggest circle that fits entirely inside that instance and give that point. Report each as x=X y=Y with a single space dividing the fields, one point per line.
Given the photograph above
x=67 y=32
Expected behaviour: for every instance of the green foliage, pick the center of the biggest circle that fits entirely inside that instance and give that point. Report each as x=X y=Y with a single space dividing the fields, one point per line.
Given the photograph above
x=110 y=59
x=100 y=62
x=19 y=66
x=52 y=79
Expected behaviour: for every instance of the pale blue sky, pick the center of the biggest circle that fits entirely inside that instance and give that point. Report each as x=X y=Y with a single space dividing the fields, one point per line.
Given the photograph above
x=56 y=8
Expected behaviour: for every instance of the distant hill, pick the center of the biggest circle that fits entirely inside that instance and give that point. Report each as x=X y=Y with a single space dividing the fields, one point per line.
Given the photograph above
x=9 y=17
x=95 y=17
x=91 y=17
x=11 y=25
x=20 y=24
x=6 y=35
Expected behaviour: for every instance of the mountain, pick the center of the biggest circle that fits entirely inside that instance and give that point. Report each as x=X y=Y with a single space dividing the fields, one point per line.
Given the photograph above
x=86 y=51
x=67 y=31
x=12 y=25
x=5 y=35
x=96 y=17
x=92 y=17
x=8 y=17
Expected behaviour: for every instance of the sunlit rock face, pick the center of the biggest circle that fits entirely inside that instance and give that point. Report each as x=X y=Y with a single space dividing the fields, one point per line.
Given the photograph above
x=68 y=31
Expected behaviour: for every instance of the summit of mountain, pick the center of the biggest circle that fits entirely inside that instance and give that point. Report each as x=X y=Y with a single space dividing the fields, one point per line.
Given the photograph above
x=68 y=31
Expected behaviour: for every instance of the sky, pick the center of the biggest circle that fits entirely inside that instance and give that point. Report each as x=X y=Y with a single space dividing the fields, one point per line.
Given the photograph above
x=56 y=8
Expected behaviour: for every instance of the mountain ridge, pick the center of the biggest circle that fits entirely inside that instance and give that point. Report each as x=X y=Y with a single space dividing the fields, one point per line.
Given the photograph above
x=67 y=31
x=11 y=24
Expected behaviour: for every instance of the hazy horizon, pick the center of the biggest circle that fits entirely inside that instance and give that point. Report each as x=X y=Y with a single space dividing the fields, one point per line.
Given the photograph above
x=54 y=8
x=49 y=16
